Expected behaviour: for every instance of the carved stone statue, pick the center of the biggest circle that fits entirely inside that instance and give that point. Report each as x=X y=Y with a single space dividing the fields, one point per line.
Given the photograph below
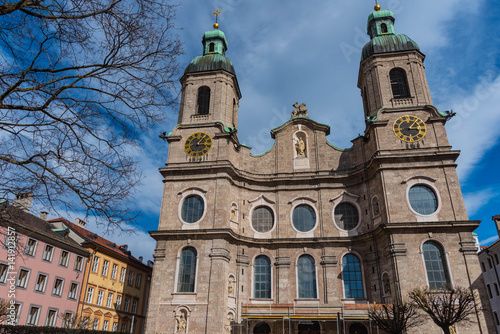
x=453 y=330
x=300 y=147
x=233 y=213
x=230 y=289
x=227 y=325
x=300 y=110
x=181 y=323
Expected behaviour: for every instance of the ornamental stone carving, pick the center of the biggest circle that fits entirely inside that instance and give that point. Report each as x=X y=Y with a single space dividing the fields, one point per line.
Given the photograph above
x=300 y=110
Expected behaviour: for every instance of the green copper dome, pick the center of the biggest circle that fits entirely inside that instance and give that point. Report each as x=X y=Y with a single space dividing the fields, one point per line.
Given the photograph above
x=213 y=59
x=380 y=28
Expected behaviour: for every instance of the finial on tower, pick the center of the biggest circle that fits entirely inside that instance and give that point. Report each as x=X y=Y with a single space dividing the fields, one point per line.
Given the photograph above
x=216 y=13
x=377 y=6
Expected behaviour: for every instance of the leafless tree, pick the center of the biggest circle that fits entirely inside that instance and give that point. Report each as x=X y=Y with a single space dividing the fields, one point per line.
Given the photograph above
x=80 y=81
x=395 y=318
x=445 y=307
x=75 y=321
x=4 y=309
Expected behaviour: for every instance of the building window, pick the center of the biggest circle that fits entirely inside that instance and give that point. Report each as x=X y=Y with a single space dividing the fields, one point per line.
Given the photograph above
x=115 y=326
x=33 y=316
x=30 y=247
x=383 y=28
x=130 y=277
x=352 y=277
x=113 y=271
x=51 y=318
x=134 y=306
x=187 y=270
x=3 y=273
x=122 y=275
x=138 y=281
x=346 y=216
x=73 y=290
x=126 y=304
x=48 y=253
x=105 y=266
x=95 y=326
x=490 y=264
x=375 y=206
x=90 y=294
x=262 y=219
x=488 y=287
x=423 y=199
x=399 y=84
x=496 y=289
x=22 y=279
x=203 y=100
x=386 y=284
x=41 y=282
x=192 y=209
x=100 y=296
x=110 y=300
x=118 y=302
x=304 y=218
x=124 y=328
x=495 y=256
x=78 y=263
x=105 y=325
x=68 y=320
x=63 y=261
x=262 y=277
x=17 y=313
x=95 y=264
x=58 y=287
x=497 y=322
x=483 y=267
x=306 y=272
x=435 y=266
x=211 y=47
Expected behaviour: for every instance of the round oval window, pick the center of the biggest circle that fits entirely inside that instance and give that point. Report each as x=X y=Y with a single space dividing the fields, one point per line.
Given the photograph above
x=304 y=218
x=346 y=216
x=262 y=219
x=423 y=200
x=192 y=209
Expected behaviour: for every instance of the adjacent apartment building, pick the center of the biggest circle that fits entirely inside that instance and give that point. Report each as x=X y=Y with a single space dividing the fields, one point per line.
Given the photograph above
x=490 y=265
x=115 y=284
x=41 y=270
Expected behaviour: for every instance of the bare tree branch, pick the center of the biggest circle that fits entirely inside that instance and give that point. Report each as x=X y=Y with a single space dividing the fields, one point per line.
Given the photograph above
x=80 y=81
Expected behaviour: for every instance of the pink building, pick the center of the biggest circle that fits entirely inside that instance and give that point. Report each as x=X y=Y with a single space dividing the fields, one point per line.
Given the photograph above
x=41 y=270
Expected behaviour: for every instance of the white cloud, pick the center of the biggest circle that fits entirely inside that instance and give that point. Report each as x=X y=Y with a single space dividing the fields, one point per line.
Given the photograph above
x=474 y=201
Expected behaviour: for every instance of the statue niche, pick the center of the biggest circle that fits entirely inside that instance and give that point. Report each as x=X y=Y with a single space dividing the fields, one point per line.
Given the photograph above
x=301 y=150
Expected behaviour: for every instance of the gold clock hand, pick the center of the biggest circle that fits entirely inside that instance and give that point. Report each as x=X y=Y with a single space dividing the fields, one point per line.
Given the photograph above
x=411 y=126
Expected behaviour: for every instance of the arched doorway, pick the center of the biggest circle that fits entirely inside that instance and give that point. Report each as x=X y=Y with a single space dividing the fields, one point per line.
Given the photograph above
x=357 y=328
x=262 y=328
x=309 y=327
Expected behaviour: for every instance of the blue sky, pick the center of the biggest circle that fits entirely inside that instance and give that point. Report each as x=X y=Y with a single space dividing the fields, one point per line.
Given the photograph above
x=289 y=51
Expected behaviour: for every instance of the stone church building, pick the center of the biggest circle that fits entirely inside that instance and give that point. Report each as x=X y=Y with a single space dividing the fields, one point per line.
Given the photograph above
x=301 y=238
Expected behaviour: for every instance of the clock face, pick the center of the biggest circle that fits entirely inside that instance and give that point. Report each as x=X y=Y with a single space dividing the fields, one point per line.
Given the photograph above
x=409 y=128
x=198 y=144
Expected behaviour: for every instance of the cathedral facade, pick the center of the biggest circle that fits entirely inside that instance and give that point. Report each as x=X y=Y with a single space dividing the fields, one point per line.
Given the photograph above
x=301 y=238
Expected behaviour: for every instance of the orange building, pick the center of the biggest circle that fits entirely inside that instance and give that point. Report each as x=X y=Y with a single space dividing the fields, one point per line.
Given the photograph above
x=115 y=286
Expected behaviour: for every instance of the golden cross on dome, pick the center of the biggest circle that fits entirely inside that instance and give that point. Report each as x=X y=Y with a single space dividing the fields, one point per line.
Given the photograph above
x=216 y=13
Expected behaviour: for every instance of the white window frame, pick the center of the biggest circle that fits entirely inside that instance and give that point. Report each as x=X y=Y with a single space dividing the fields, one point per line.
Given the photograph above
x=90 y=295
x=30 y=321
x=118 y=301
x=72 y=293
x=95 y=325
x=44 y=284
x=126 y=304
x=100 y=296
x=95 y=264
x=105 y=266
x=4 y=270
x=105 y=325
x=115 y=326
x=109 y=302
x=138 y=281
x=134 y=306
x=58 y=290
x=122 y=275
x=66 y=262
x=79 y=263
x=48 y=255
x=114 y=270
x=51 y=321
x=33 y=249
x=23 y=284
x=130 y=279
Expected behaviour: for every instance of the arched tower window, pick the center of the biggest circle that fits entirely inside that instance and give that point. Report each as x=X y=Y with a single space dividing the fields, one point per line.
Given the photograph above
x=187 y=270
x=307 y=277
x=353 y=279
x=262 y=277
x=399 y=83
x=203 y=100
x=435 y=265
x=211 y=47
x=383 y=27
x=262 y=328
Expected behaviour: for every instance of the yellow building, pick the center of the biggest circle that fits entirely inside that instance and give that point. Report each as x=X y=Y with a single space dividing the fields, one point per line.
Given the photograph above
x=115 y=286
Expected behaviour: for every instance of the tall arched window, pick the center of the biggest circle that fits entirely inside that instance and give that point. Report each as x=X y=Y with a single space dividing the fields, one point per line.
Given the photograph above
x=353 y=279
x=399 y=83
x=187 y=270
x=435 y=265
x=211 y=47
x=383 y=27
x=307 y=277
x=203 y=100
x=262 y=277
